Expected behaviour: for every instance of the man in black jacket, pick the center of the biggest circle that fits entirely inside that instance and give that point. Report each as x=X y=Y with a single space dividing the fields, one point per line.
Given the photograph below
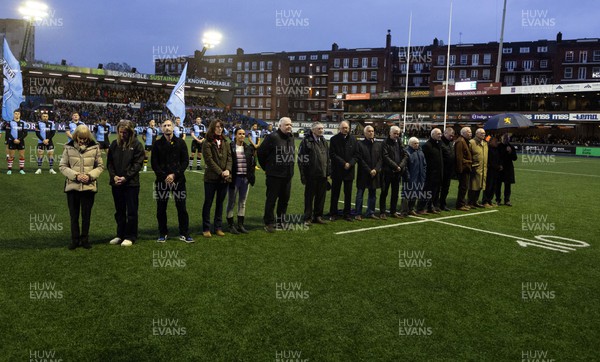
x=315 y=166
x=342 y=152
x=447 y=145
x=394 y=165
x=124 y=162
x=276 y=156
x=507 y=155
x=169 y=162
x=369 y=170
x=434 y=171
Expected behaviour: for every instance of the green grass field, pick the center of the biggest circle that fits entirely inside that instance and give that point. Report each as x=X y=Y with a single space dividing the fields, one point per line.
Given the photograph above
x=455 y=289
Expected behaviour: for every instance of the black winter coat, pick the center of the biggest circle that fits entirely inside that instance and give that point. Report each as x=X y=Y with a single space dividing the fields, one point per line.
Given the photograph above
x=435 y=162
x=370 y=156
x=313 y=157
x=277 y=154
x=169 y=158
x=391 y=161
x=343 y=150
x=506 y=160
x=125 y=163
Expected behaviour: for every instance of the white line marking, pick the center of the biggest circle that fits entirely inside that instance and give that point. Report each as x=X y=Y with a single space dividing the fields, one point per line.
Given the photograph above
x=421 y=220
x=559 y=173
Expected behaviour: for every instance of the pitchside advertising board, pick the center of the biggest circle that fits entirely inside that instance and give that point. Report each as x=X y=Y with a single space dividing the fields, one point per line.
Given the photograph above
x=542 y=149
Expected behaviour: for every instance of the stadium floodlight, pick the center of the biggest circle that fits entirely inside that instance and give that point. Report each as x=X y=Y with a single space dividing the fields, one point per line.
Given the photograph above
x=34 y=10
x=31 y=11
x=211 y=38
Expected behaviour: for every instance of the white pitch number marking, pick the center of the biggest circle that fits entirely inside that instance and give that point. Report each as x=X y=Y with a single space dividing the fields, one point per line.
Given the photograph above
x=548 y=241
x=543 y=241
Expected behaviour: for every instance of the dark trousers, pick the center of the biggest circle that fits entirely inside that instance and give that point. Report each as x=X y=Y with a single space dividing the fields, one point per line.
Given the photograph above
x=80 y=202
x=490 y=188
x=445 y=189
x=210 y=190
x=336 y=185
x=390 y=179
x=278 y=191
x=314 y=197
x=162 y=193
x=432 y=190
x=126 y=201
x=507 y=191
x=463 y=187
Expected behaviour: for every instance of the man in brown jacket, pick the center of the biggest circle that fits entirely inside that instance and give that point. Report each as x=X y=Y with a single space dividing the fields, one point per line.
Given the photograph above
x=463 y=167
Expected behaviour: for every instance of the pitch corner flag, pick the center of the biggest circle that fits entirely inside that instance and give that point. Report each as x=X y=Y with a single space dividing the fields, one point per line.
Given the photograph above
x=176 y=102
x=13 y=84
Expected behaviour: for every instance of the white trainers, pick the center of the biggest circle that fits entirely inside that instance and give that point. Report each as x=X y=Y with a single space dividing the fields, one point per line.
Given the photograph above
x=127 y=243
x=39 y=171
x=115 y=241
x=52 y=172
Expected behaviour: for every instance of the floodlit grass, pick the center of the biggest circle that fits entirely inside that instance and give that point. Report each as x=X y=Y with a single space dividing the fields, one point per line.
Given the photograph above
x=356 y=298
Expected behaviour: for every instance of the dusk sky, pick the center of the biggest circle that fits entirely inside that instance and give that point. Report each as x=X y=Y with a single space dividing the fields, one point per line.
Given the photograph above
x=86 y=33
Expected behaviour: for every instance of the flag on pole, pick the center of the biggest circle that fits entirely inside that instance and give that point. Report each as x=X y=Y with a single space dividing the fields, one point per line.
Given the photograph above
x=13 y=84
x=176 y=102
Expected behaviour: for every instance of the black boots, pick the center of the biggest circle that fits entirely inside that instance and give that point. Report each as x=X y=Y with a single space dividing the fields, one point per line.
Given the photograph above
x=82 y=241
x=241 y=227
x=85 y=243
x=74 y=244
x=232 y=228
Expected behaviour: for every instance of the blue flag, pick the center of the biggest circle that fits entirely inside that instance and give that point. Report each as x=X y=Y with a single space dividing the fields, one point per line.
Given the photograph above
x=13 y=84
x=176 y=102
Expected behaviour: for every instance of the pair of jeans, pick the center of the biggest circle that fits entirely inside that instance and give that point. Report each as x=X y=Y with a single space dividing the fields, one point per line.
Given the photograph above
x=240 y=187
x=212 y=189
x=371 y=199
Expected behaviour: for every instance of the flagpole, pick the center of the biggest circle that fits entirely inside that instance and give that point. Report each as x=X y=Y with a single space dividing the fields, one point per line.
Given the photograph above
x=407 y=71
x=447 y=69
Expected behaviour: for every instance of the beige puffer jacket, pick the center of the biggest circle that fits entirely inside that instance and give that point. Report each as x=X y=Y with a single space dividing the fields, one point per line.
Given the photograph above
x=84 y=160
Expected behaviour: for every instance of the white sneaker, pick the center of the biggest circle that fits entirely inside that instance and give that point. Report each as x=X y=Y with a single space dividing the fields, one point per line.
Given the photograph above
x=115 y=241
x=52 y=172
x=127 y=243
x=39 y=171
